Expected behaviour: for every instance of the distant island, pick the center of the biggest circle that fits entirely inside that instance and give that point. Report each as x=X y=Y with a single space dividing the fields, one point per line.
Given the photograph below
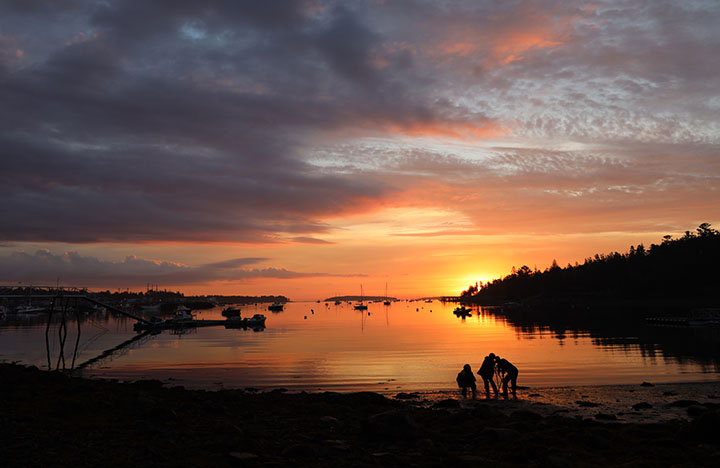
x=250 y=299
x=165 y=300
x=674 y=273
x=359 y=298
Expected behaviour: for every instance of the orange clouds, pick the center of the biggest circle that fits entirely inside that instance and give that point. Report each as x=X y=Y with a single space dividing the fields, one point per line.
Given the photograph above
x=505 y=39
x=517 y=42
x=506 y=48
x=449 y=129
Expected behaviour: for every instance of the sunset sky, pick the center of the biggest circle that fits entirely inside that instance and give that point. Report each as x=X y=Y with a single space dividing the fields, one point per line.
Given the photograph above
x=236 y=147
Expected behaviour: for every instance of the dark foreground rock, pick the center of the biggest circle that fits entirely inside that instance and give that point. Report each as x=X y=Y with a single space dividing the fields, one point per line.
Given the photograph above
x=50 y=419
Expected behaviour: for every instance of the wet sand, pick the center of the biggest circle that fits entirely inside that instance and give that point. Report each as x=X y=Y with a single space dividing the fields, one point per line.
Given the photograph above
x=641 y=403
x=50 y=419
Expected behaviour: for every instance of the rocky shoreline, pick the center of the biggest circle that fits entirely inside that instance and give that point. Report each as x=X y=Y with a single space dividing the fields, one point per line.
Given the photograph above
x=51 y=419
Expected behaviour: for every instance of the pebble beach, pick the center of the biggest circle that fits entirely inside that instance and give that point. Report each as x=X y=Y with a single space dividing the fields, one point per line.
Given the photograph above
x=52 y=419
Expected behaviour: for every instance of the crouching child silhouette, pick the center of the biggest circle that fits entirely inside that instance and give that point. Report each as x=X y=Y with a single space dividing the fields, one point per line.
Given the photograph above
x=509 y=374
x=465 y=379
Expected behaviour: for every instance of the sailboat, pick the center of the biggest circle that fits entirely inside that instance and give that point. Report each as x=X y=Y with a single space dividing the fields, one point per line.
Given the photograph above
x=360 y=306
x=387 y=301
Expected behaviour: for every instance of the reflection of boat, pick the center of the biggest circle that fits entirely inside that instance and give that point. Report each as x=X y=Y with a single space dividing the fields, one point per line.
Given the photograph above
x=360 y=306
x=231 y=312
x=275 y=307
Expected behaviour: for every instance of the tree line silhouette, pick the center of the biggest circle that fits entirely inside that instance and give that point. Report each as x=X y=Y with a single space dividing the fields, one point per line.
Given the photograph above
x=675 y=270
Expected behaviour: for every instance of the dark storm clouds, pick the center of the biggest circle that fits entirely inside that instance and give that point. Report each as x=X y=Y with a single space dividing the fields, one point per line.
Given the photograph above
x=196 y=121
x=181 y=120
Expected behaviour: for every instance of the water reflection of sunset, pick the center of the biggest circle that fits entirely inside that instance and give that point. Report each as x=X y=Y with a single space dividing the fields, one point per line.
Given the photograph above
x=405 y=346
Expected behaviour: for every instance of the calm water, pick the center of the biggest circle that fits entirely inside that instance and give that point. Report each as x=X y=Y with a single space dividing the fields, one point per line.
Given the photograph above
x=405 y=346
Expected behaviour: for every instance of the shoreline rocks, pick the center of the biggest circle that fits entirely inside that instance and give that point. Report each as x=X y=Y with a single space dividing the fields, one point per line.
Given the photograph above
x=50 y=419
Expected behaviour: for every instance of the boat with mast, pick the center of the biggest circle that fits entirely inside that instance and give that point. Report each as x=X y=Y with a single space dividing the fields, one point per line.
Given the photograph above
x=387 y=301
x=360 y=306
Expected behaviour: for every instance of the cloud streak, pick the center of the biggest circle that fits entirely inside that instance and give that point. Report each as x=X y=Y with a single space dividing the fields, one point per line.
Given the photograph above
x=88 y=271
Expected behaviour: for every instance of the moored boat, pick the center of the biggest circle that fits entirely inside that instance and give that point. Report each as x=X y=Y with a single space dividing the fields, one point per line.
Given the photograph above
x=462 y=311
x=275 y=307
x=231 y=312
x=256 y=320
x=360 y=306
x=29 y=309
x=183 y=315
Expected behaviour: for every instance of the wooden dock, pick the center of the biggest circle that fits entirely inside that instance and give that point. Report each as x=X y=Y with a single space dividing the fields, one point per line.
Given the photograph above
x=176 y=323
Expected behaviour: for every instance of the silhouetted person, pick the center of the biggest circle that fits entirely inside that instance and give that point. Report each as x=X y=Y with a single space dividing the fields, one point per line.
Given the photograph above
x=465 y=379
x=509 y=374
x=487 y=372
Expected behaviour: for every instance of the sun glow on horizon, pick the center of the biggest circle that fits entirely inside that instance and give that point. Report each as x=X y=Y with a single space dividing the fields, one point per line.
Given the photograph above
x=363 y=252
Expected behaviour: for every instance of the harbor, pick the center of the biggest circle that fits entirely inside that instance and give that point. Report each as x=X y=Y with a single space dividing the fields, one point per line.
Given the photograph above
x=404 y=346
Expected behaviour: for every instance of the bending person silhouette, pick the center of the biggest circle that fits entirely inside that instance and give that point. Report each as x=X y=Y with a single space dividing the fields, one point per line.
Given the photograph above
x=509 y=373
x=487 y=372
x=465 y=379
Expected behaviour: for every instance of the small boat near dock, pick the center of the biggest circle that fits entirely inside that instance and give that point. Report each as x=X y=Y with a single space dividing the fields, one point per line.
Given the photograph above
x=29 y=309
x=462 y=311
x=231 y=311
x=155 y=323
x=255 y=322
